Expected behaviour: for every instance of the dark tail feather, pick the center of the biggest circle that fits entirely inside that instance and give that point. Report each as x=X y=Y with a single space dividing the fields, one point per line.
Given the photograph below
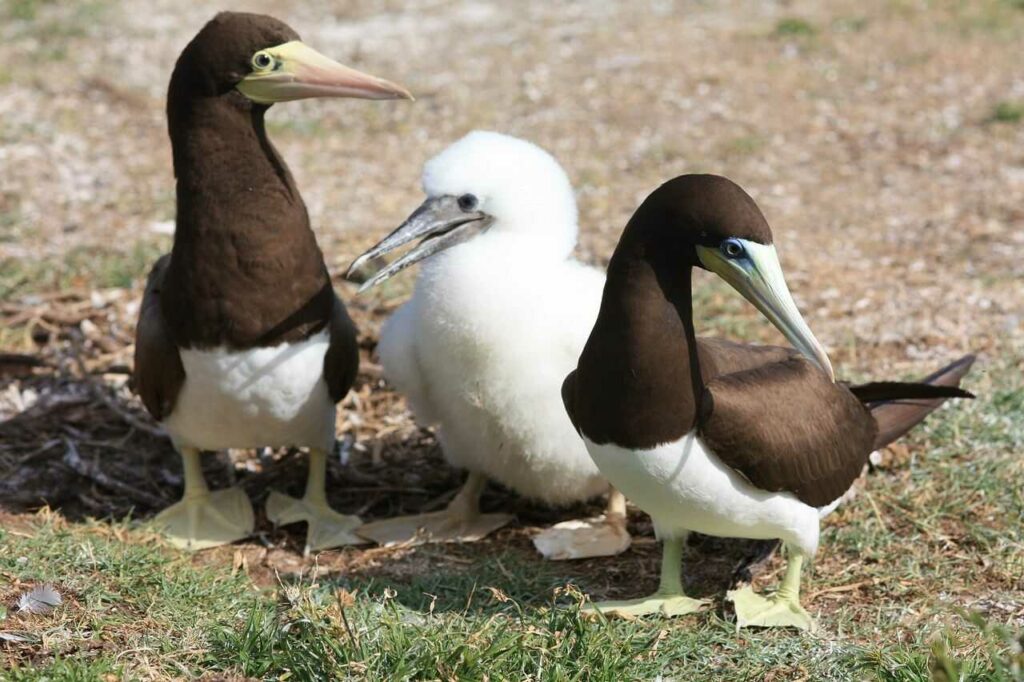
x=898 y=407
x=889 y=391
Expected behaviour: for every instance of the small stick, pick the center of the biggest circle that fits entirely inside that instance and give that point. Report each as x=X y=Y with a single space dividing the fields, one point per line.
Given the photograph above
x=73 y=459
x=124 y=414
x=840 y=588
x=101 y=394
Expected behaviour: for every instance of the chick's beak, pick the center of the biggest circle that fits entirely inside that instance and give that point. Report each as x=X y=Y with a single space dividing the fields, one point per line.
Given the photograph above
x=297 y=71
x=439 y=222
x=758 y=277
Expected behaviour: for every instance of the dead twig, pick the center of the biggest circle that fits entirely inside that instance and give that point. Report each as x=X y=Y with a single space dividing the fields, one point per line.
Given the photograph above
x=73 y=459
x=124 y=414
x=100 y=393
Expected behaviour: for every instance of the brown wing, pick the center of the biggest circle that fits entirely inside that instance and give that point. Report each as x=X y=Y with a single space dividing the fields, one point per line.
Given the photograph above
x=721 y=356
x=341 y=363
x=158 y=373
x=785 y=427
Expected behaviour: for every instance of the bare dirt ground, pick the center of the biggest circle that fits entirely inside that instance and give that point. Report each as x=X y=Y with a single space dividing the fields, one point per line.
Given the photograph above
x=883 y=141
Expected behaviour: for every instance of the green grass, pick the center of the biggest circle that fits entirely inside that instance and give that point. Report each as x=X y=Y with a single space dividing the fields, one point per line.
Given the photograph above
x=941 y=530
x=794 y=26
x=92 y=267
x=118 y=597
x=1008 y=112
x=54 y=22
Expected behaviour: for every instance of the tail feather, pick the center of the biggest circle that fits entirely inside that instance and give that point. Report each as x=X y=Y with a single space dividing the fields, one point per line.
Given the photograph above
x=891 y=391
x=898 y=406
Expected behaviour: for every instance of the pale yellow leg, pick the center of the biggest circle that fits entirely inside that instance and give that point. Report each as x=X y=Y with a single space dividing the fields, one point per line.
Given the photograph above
x=461 y=521
x=782 y=609
x=668 y=600
x=327 y=528
x=605 y=535
x=203 y=519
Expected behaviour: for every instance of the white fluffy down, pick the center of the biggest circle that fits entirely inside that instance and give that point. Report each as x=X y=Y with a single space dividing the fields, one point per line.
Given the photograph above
x=495 y=324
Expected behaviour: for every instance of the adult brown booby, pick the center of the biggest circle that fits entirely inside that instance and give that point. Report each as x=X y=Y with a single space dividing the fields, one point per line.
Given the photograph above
x=241 y=340
x=724 y=438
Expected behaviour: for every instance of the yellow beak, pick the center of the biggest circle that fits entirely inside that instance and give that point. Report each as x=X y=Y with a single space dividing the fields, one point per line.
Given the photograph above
x=758 y=276
x=294 y=71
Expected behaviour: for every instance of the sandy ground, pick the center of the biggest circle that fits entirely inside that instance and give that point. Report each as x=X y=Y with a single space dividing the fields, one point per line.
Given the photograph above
x=869 y=143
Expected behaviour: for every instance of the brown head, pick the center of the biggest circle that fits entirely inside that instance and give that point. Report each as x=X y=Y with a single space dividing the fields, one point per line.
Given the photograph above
x=691 y=211
x=264 y=59
x=708 y=221
x=246 y=269
x=641 y=376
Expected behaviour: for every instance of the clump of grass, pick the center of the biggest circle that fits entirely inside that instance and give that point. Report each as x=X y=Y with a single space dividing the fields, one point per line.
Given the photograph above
x=794 y=26
x=85 y=266
x=943 y=661
x=24 y=10
x=1008 y=112
x=122 y=592
x=939 y=532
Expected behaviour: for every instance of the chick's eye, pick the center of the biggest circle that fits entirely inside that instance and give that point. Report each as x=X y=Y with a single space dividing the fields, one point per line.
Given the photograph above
x=262 y=60
x=467 y=202
x=732 y=248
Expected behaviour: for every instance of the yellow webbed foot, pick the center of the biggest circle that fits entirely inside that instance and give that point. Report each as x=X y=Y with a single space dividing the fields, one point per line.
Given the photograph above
x=327 y=528
x=777 y=611
x=442 y=526
x=658 y=603
x=207 y=520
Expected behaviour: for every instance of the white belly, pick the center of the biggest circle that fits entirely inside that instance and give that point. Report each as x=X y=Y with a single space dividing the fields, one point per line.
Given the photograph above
x=685 y=487
x=263 y=397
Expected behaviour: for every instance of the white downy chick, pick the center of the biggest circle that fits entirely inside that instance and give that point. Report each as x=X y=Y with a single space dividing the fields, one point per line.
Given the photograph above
x=499 y=316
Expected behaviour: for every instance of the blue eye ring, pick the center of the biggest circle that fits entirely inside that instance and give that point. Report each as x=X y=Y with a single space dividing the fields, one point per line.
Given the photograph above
x=732 y=249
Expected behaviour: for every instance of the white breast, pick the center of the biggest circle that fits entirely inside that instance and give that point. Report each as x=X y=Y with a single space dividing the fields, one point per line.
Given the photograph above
x=684 y=487
x=273 y=397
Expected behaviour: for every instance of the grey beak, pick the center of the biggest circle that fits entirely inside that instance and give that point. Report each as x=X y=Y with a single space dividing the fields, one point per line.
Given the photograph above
x=438 y=221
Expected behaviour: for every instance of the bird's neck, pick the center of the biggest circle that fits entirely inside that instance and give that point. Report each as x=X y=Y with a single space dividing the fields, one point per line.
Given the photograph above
x=245 y=264
x=228 y=172
x=639 y=374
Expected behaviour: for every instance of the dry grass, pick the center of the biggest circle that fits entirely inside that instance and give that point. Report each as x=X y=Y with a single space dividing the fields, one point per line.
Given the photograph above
x=881 y=139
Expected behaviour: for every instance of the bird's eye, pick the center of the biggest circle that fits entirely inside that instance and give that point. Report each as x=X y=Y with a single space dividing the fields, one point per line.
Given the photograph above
x=262 y=60
x=732 y=248
x=467 y=202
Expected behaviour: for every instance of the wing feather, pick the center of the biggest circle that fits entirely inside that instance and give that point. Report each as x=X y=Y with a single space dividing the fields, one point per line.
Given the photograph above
x=341 y=362
x=158 y=373
x=785 y=427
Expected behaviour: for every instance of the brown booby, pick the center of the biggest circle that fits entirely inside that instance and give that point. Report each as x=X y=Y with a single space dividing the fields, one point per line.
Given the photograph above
x=241 y=340
x=724 y=438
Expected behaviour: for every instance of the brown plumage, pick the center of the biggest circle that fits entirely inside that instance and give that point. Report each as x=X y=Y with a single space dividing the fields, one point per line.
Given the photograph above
x=242 y=341
x=898 y=407
x=645 y=378
x=786 y=426
x=245 y=269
